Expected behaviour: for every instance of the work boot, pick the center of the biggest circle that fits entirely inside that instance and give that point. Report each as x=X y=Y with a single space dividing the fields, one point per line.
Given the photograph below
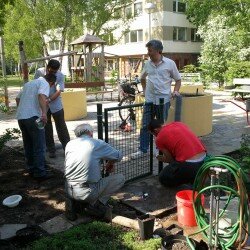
x=70 y=210
x=96 y=210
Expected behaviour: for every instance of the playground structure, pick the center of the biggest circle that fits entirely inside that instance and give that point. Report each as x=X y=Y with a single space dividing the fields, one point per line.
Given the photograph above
x=87 y=65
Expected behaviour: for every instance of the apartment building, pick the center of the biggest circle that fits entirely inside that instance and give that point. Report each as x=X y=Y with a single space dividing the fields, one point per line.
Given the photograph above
x=157 y=19
x=152 y=19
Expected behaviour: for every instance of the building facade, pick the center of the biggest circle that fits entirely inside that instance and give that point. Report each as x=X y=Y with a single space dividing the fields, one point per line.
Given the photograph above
x=158 y=19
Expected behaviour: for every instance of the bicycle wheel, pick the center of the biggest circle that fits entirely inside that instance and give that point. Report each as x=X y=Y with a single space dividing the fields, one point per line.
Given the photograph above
x=127 y=114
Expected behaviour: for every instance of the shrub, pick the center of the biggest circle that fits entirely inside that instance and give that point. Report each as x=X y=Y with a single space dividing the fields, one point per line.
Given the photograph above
x=244 y=151
x=190 y=68
x=237 y=70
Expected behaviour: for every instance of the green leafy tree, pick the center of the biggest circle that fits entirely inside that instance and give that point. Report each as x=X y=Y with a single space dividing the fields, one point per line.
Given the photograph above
x=225 y=40
x=240 y=69
x=237 y=11
x=220 y=46
x=3 y=5
x=30 y=20
x=103 y=17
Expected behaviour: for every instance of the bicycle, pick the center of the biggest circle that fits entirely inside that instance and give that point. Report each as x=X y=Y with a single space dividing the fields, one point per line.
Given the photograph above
x=127 y=93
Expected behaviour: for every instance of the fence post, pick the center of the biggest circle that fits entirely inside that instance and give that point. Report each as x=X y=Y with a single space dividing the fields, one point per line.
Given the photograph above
x=161 y=118
x=99 y=121
x=151 y=141
x=106 y=130
x=178 y=106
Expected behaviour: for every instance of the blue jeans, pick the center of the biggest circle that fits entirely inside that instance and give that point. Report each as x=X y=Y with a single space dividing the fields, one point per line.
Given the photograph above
x=147 y=116
x=34 y=146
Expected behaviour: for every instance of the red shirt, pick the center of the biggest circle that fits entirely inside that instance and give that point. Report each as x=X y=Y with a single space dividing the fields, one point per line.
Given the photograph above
x=180 y=141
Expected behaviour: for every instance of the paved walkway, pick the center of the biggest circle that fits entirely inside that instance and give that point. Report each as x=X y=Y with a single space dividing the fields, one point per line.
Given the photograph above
x=229 y=123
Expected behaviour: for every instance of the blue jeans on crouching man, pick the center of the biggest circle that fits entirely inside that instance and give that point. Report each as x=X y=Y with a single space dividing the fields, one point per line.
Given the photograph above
x=159 y=112
x=34 y=146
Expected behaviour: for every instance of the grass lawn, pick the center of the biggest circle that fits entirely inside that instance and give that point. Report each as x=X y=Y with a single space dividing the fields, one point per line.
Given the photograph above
x=95 y=236
x=11 y=81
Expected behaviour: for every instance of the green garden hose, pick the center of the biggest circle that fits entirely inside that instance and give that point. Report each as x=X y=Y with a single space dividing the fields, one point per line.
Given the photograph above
x=237 y=234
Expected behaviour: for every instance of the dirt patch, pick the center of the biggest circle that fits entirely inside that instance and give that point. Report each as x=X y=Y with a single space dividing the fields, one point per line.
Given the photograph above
x=40 y=201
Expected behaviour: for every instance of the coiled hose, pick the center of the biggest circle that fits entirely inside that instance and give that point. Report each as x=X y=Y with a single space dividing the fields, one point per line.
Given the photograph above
x=237 y=234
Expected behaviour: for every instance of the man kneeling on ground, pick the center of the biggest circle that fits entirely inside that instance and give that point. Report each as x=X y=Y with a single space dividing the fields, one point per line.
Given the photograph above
x=84 y=183
x=182 y=150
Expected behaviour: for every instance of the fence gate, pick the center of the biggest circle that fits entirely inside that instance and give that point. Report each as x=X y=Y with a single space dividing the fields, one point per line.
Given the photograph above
x=120 y=126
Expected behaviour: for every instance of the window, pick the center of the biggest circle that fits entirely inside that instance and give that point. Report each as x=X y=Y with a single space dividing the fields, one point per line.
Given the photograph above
x=128 y=11
x=54 y=45
x=179 y=34
x=127 y=35
x=134 y=36
x=110 y=65
x=137 y=9
x=194 y=36
x=179 y=6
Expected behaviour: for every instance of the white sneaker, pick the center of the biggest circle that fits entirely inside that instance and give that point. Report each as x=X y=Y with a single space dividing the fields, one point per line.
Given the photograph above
x=137 y=154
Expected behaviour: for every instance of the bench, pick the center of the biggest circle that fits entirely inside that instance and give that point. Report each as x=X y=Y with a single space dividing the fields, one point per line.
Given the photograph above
x=89 y=88
x=242 y=87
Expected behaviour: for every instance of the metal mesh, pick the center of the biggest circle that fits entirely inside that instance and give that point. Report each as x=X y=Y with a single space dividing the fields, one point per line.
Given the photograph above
x=122 y=130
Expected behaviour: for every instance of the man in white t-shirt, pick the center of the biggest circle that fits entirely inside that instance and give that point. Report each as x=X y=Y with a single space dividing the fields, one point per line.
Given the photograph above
x=156 y=78
x=55 y=108
x=32 y=104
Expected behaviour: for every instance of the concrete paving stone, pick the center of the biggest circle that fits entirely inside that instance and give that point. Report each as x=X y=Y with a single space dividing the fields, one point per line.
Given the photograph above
x=56 y=225
x=155 y=203
x=9 y=230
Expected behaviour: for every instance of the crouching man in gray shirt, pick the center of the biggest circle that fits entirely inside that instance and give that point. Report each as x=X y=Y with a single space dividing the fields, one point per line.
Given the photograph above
x=84 y=182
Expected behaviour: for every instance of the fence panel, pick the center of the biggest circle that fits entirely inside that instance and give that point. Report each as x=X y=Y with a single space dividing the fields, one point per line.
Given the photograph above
x=121 y=130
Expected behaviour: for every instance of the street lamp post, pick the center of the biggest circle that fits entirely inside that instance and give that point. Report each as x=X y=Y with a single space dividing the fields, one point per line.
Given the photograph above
x=149 y=7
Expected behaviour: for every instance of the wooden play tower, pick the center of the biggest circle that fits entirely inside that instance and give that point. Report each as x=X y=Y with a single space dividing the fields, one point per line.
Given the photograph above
x=87 y=65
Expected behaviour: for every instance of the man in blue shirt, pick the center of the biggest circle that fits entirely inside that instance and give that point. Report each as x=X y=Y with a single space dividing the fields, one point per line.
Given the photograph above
x=55 y=108
x=84 y=182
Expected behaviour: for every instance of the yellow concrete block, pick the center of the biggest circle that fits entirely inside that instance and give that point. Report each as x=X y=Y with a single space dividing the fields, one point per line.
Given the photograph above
x=74 y=104
x=191 y=89
x=197 y=113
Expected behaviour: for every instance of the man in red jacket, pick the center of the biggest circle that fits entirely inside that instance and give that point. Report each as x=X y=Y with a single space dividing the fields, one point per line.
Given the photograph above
x=182 y=150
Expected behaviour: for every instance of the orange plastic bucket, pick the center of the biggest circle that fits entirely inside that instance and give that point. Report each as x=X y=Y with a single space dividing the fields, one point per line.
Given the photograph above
x=185 y=210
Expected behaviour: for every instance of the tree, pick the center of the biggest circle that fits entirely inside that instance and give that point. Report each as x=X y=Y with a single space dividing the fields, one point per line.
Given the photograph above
x=220 y=46
x=226 y=39
x=102 y=17
x=30 y=20
x=237 y=11
x=3 y=4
